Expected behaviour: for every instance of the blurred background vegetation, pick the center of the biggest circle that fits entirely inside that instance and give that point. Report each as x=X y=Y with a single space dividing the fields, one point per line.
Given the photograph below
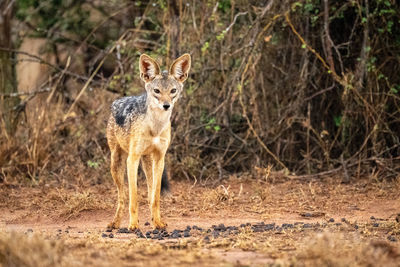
x=302 y=88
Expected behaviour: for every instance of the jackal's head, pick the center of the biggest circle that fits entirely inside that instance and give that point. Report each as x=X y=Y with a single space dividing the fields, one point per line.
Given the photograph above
x=163 y=88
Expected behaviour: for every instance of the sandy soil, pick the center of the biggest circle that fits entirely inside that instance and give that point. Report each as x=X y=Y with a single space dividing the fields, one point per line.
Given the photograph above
x=344 y=219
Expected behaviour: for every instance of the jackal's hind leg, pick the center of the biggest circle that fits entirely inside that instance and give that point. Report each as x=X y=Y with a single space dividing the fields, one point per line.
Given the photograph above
x=118 y=166
x=148 y=171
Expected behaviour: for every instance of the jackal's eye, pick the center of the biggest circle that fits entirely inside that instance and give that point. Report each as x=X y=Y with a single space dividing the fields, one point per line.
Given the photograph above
x=173 y=91
x=156 y=91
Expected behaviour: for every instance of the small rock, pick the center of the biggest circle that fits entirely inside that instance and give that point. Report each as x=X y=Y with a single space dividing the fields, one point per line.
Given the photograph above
x=372 y=218
x=165 y=234
x=104 y=235
x=375 y=225
x=111 y=235
x=206 y=239
x=242 y=225
x=287 y=225
x=331 y=220
x=392 y=238
x=155 y=231
x=343 y=219
x=186 y=234
x=356 y=226
x=307 y=225
x=146 y=223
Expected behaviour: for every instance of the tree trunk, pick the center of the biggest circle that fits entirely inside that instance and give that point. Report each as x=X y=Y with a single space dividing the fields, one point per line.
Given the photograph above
x=174 y=29
x=7 y=74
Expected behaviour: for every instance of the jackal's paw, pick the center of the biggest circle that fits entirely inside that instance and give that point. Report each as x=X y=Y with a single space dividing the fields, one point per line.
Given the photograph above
x=113 y=225
x=133 y=226
x=159 y=225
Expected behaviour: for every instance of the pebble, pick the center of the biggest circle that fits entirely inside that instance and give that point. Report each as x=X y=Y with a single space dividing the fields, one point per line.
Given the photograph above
x=104 y=235
x=109 y=230
x=123 y=230
x=146 y=223
x=392 y=238
x=111 y=235
x=375 y=225
x=331 y=220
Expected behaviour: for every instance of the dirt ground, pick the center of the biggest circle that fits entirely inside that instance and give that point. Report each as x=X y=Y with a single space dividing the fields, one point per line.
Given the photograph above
x=238 y=221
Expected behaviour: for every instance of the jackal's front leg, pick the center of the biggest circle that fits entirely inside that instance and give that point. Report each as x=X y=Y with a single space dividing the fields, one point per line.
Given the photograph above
x=133 y=164
x=158 y=167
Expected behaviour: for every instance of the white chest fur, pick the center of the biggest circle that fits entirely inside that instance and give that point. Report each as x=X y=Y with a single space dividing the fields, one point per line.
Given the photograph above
x=158 y=120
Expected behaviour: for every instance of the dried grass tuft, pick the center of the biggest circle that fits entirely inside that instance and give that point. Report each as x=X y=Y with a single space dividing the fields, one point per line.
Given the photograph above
x=77 y=202
x=31 y=250
x=327 y=249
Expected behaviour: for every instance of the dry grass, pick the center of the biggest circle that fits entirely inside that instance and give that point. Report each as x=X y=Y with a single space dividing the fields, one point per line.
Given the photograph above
x=17 y=249
x=75 y=203
x=327 y=249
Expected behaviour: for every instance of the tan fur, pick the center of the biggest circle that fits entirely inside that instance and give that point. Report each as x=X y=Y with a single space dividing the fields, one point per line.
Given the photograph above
x=146 y=139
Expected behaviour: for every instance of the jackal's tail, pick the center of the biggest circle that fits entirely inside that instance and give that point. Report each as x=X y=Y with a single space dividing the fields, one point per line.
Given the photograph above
x=164 y=181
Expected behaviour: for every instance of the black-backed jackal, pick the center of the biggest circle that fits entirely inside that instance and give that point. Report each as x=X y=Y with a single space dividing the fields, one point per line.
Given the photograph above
x=139 y=129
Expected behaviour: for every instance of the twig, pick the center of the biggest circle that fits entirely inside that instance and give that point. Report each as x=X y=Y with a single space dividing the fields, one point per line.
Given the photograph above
x=234 y=21
x=18 y=94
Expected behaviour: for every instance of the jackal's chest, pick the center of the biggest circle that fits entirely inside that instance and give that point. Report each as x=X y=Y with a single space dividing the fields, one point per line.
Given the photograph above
x=150 y=145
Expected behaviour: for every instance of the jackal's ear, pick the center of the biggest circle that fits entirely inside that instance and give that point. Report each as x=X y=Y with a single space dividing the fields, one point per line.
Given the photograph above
x=148 y=68
x=180 y=68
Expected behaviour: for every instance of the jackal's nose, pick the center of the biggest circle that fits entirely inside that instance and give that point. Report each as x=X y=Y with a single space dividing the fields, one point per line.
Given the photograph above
x=166 y=106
